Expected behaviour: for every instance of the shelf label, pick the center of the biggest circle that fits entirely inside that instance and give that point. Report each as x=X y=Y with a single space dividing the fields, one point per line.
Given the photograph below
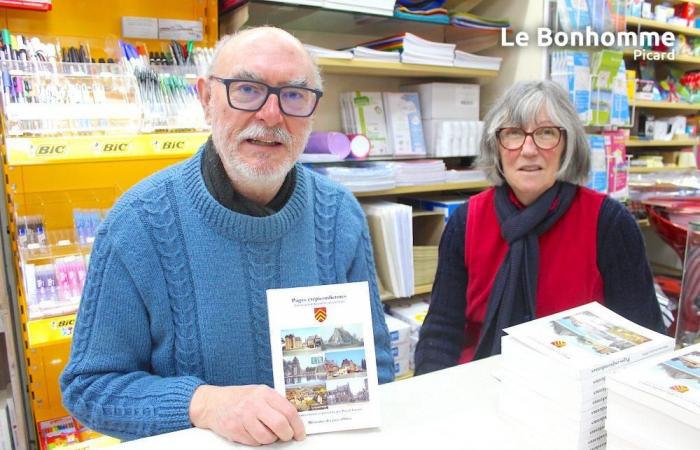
x=47 y=331
x=178 y=143
x=110 y=147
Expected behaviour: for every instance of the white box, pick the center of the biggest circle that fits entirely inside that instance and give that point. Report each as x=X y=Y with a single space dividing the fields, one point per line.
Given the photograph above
x=401 y=367
x=401 y=350
x=412 y=312
x=399 y=331
x=457 y=101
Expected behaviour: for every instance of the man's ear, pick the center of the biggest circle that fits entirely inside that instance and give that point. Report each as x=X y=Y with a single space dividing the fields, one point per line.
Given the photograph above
x=204 y=94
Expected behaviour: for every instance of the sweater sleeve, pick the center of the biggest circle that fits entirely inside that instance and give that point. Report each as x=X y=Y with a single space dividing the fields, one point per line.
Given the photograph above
x=362 y=269
x=627 y=280
x=442 y=334
x=107 y=384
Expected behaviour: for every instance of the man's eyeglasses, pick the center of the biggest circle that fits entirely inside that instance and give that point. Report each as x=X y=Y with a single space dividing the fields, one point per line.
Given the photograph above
x=246 y=95
x=513 y=138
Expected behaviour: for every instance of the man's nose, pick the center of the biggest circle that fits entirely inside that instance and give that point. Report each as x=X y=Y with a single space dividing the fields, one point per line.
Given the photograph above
x=270 y=113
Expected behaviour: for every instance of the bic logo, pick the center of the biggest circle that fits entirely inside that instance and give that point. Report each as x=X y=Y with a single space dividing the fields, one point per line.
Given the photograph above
x=117 y=147
x=50 y=149
x=173 y=145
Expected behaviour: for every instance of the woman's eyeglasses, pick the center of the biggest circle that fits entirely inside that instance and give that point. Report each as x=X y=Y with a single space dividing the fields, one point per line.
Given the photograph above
x=545 y=138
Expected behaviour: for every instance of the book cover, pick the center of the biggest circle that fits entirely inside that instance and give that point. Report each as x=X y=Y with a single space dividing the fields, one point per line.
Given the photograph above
x=590 y=340
x=323 y=358
x=671 y=382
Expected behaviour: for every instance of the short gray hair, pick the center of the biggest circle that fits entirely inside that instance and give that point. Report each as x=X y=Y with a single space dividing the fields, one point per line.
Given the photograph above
x=225 y=40
x=519 y=106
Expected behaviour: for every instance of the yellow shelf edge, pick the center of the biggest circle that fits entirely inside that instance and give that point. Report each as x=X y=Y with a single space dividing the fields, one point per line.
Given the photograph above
x=50 y=330
x=653 y=143
x=42 y=150
x=664 y=105
x=646 y=23
x=462 y=185
x=661 y=169
x=384 y=68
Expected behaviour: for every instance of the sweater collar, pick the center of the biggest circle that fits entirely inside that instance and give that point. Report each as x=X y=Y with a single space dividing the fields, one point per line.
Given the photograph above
x=241 y=226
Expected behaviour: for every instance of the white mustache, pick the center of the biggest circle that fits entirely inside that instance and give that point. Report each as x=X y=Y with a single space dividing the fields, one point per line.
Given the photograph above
x=260 y=133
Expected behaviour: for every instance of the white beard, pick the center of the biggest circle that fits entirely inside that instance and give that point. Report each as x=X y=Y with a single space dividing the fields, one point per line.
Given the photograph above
x=226 y=143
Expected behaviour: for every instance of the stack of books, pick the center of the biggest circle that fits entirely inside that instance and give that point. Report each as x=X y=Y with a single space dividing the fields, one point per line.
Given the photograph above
x=471 y=61
x=377 y=55
x=554 y=371
x=363 y=177
x=656 y=404
x=420 y=171
x=467 y=20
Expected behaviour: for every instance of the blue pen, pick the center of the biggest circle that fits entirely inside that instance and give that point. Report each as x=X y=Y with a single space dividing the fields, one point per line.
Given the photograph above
x=6 y=85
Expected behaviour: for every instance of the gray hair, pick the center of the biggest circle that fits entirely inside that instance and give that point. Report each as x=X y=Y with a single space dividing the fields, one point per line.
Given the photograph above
x=317 y=80
x=519 y=106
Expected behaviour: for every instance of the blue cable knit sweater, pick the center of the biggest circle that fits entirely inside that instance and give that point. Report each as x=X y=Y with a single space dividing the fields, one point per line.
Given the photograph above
x=175 y=295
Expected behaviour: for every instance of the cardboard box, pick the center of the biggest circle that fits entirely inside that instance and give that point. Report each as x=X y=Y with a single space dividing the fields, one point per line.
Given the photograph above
x=456 y=101
x=399 y=331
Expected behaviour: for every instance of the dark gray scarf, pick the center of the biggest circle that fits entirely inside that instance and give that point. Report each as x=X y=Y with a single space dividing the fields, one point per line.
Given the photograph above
x=512 y=299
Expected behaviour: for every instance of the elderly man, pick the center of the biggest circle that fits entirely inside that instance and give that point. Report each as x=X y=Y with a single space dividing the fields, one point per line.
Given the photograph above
x=172 y=329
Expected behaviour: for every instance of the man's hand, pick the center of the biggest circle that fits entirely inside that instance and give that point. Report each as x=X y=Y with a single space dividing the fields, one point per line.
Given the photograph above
x=251 y=415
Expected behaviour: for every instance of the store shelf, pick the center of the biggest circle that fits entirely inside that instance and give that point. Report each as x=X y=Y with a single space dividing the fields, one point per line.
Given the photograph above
x=665 y=105
x=678 y=2
x=50 y=331
x=661 y=169
x=463 y=185
x=418 y=290
x=652 y=143
x=656 y=25
x=317 y=19
x=22 y=151
x=381 y=69
x=664 y=57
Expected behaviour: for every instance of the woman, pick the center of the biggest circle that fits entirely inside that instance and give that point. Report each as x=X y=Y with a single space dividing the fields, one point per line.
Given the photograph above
x=535 y=244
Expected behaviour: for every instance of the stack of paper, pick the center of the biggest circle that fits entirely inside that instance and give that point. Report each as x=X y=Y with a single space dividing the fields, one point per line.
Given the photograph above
x=664 y=393
x=420 y=171
x=465 y=175
x=404 y=123
x=421 y=51
x=467 y=20
x=472 y=61
x=381 y=7
x=378 y=55
x=391 y=227
x=363 y=113
x=415 y=50
x=320 y=52
x=554 y=370
x=363 y=177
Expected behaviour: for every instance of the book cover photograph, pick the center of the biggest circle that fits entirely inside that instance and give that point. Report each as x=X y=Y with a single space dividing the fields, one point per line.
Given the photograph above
x=590 y=333
x=323 y=355
x=677 y=379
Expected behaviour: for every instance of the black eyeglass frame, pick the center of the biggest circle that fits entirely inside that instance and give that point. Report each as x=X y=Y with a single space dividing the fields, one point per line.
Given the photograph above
x=562 y=132
x=270 y=90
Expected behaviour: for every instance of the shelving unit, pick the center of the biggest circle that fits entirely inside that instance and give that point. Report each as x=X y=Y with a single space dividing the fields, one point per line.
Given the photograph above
x=673 y=143
x=662 y=169
x=656 y=25
x=361 y=67
x=459 y=186
x=665 y=105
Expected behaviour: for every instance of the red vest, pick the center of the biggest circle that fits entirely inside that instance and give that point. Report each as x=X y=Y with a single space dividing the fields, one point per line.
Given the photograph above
x=568 y=275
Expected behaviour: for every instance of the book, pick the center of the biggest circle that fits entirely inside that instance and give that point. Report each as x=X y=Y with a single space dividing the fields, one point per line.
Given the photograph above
x=323 y=358
x=557 y=365
x=664 y=391
x=403 y=122
x=590 y=340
